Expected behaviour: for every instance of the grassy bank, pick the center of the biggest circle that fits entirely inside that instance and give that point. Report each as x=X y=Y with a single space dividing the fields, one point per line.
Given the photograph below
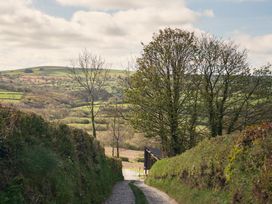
x=45 y=163
x=139 y=195
x=228 y=169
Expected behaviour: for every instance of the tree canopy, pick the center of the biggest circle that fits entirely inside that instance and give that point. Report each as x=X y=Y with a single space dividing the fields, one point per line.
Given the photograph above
x=186 y=86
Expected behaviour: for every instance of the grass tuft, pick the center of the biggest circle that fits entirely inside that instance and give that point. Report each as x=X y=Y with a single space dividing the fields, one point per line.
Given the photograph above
x=139 y=195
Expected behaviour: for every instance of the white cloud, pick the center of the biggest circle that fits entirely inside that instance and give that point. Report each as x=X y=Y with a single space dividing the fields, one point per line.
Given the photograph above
x=209 y=13
x=122 y=4
x=259 y=47
x=29 y=37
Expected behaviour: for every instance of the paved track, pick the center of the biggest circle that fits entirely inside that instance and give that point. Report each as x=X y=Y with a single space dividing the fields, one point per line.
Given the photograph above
x=122 y=194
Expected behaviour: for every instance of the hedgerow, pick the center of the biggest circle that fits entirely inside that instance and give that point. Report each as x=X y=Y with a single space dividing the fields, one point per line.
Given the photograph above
x=227 y=169
x=42 y=162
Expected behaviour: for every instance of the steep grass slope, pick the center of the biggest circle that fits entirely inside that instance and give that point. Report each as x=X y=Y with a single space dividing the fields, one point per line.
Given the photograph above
x=46 y=163
x=228 y=169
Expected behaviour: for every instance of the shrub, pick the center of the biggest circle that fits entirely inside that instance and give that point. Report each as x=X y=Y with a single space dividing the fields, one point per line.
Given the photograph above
x=249 y=170
x=101 y=121
x=28 y=71
x=74 y=120
x=140 y=159
x=84 y=121
x=125 y=159
x=130 y=146
x=101 y=128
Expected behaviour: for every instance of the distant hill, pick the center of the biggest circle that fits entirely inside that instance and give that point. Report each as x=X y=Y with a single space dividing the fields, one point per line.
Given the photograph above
x=51 y=71
x=49 y=92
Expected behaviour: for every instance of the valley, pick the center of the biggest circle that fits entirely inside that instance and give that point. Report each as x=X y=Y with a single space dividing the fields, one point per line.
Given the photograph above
x=50 y=92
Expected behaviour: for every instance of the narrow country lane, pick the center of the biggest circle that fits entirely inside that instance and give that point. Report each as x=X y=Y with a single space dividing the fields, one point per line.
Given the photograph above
x=122 y=194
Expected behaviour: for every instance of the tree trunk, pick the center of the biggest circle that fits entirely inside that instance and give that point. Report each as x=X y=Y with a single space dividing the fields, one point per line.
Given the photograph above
x=117 y=148
x=193 y=121
x=212 y=119
x=93 y=118
x=175 y=140
x=112 y=153
x=222 y=105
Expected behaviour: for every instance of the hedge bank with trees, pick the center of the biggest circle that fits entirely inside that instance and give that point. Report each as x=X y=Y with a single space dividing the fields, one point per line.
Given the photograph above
x=42 y=162
x=225 y=169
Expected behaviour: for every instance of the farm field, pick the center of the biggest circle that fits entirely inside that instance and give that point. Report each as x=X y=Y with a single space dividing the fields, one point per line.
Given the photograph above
x=10 y=97
x=49 y=92
x=133 y=157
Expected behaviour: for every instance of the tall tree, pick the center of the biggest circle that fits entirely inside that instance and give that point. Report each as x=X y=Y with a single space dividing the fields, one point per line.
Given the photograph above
x=90 y=74
x=115 y=109
x=184 y=82
x=159 y=90
x=229 y=85
x=221 y=67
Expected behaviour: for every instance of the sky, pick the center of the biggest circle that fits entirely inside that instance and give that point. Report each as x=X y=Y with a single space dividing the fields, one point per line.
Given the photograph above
x=53 y=32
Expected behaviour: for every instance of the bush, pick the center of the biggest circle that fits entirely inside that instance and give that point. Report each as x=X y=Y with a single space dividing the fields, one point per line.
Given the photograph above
x=101 y=128
x=28 y=71
x=249 y=171
x=124 y=159
x=130 y=146
x=140 y=159
x=75 y=120
x=47 y=163
x=84 y=121
x=101 y=121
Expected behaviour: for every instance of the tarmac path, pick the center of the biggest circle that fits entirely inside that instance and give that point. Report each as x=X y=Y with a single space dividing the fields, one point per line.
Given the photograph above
x=122 y=194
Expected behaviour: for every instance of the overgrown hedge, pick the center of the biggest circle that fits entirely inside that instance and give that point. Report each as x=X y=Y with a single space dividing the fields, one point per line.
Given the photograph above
x=228 y=169
x=46 y=163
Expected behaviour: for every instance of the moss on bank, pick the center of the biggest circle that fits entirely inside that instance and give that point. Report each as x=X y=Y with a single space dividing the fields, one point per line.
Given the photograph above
x=47 y=163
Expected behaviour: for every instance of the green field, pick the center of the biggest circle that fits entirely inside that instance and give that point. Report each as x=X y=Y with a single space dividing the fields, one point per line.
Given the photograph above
x=10 y=97
x=55 y=71
x=49 y=92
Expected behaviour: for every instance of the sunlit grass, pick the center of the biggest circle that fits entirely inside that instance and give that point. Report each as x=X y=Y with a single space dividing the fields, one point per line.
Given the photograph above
x=11 y=95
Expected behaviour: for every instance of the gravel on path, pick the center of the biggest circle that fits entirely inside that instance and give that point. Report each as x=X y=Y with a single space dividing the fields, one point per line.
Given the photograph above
x=121 y=194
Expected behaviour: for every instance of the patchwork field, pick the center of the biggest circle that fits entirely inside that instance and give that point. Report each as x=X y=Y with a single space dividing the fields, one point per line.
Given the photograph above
x=50 y=92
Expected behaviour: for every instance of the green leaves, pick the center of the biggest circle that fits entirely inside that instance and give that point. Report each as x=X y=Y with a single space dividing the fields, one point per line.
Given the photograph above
x=184 y=82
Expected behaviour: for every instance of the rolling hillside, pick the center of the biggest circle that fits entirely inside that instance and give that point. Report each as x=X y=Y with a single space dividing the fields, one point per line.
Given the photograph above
x=49 y=92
